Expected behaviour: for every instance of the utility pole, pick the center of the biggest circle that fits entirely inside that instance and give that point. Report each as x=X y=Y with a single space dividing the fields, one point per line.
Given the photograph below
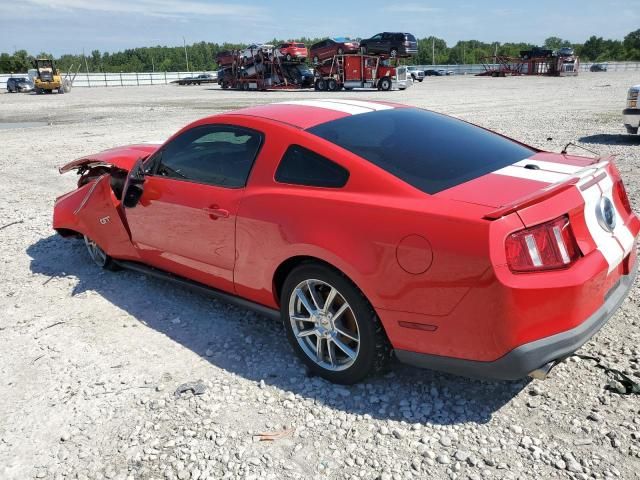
x=186 y=56
x=153 y=66
x=433 y=50
x=464 y=47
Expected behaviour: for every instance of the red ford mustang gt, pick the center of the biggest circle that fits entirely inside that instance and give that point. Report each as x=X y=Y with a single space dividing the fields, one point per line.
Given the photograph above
x=371 y=227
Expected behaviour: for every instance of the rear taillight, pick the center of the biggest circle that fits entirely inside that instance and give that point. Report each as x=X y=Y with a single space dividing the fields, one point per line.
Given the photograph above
x=549 y=246
x=618 y=188
x=622 y=195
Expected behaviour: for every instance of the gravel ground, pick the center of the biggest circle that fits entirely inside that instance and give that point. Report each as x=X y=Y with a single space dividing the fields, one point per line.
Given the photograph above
x=90 y=360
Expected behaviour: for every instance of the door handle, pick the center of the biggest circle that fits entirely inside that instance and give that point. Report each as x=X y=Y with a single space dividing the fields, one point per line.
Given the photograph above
x=217 y=212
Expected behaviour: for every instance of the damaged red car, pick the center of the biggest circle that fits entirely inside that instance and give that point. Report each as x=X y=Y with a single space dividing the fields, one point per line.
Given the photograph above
x=371 y=228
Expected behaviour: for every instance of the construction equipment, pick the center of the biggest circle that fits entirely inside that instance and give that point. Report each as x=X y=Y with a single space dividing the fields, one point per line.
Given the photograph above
x=49 y=79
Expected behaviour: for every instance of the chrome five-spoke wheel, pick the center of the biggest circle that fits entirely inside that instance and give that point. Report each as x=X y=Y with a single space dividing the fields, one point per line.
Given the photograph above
x=331 y=325
x=324 y=324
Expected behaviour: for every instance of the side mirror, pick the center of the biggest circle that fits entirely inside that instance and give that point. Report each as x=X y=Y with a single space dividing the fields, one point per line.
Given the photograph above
x=133 y=189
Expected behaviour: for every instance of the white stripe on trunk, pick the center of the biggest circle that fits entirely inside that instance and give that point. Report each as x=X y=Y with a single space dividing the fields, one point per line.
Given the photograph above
x=551 y=166
x=537 y=175
x=605 y=241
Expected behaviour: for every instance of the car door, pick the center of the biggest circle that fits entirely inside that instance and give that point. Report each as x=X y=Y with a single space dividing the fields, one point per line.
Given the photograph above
x=185 y=220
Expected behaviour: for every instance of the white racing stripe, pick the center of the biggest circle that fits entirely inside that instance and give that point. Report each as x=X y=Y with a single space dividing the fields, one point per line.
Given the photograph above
x=605 y=241
x=620 y=231
x=537 y=175
x=551 y=166
x=329 y=105
x=361 y=103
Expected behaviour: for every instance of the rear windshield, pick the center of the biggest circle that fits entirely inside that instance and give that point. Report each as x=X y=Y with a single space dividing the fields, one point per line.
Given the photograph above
x=299 y=45
x=428 y=150
x=410 y=38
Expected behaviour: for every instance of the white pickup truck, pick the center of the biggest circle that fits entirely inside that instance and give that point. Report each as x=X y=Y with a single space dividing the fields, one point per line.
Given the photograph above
x=631 y=114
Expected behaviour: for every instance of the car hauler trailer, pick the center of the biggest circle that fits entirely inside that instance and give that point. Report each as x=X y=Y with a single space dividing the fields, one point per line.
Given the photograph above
x=262 y=72
x=351 y=71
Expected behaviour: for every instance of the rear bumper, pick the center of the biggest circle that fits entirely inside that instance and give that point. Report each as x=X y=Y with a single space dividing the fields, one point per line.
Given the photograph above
x=521 y=361
x=631 y=117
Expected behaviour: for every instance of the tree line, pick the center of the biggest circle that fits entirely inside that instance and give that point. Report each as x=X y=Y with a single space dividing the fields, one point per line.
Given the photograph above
x=202 y=55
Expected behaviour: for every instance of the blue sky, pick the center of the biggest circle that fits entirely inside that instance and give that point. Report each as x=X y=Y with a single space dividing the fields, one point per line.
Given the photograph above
x=60 y=26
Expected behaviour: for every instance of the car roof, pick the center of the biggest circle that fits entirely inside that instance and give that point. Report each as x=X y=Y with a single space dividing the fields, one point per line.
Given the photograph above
x=305 y=114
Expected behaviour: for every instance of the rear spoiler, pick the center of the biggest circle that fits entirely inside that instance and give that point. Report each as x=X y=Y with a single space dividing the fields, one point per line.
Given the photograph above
x=552 y=190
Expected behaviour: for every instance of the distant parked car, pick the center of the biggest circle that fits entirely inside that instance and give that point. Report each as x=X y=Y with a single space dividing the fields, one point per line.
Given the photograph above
x=631 y=114
x=291 y=51
x=433 y=73
x=536 y=52
x=415 y=73
x=225 y=58
x=299 y=74
x=394 y=44
x=255 y=48
x=19 y=84
x=326 y=49
x=197 y=80
x=445 y=72
x=598 y=67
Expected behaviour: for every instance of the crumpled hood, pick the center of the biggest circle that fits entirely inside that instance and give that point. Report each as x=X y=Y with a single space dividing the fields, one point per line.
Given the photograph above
x=120 y=157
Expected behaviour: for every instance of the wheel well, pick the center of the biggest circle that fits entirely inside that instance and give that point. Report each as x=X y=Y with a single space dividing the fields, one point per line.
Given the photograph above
x=68 y=233
x=286 y=267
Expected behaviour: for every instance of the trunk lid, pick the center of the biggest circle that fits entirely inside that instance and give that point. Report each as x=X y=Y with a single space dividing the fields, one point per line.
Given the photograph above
x=524 y=180
x=547 y=186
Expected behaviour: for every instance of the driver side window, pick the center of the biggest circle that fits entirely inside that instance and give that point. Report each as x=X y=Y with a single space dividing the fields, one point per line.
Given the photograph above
x=220 y=155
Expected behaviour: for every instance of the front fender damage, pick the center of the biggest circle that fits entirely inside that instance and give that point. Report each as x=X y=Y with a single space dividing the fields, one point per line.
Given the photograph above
x=93 y=210
x=119 y=157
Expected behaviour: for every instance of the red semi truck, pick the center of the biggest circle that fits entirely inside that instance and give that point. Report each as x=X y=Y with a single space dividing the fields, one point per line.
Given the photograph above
x=359 y=71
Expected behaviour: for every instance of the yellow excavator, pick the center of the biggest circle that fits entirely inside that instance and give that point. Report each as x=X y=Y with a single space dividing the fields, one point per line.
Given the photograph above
x=48 y=78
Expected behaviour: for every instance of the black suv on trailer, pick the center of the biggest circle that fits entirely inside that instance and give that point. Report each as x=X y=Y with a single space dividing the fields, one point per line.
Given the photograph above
x=394 y=44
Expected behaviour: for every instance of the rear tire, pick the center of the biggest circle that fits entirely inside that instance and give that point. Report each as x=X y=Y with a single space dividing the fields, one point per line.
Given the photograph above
x=332 y=85
x=348 y=341
x=393 y=53
x=321 y=84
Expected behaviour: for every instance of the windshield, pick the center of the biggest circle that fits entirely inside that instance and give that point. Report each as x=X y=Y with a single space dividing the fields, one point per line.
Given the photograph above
x=341 y=39
x=428 y=150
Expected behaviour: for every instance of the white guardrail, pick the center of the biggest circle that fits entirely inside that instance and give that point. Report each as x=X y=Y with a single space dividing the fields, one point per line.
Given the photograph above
x=123 y=79
x=162 y=78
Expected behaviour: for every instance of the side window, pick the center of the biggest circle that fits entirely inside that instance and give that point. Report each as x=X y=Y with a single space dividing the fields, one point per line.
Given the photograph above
x=377 y=37
x=219 y=155
x=300 y=166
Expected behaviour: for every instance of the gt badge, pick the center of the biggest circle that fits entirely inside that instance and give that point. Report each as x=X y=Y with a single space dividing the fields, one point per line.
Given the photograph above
x=606 y=214
x=104 y=220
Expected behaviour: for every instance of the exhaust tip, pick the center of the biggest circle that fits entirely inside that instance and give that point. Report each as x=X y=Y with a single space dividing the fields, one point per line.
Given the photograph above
x=542 y=372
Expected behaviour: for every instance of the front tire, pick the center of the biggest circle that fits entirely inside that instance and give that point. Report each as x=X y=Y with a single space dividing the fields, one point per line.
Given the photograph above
x=385 y=84
x=99 y=256
x=331 y=325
